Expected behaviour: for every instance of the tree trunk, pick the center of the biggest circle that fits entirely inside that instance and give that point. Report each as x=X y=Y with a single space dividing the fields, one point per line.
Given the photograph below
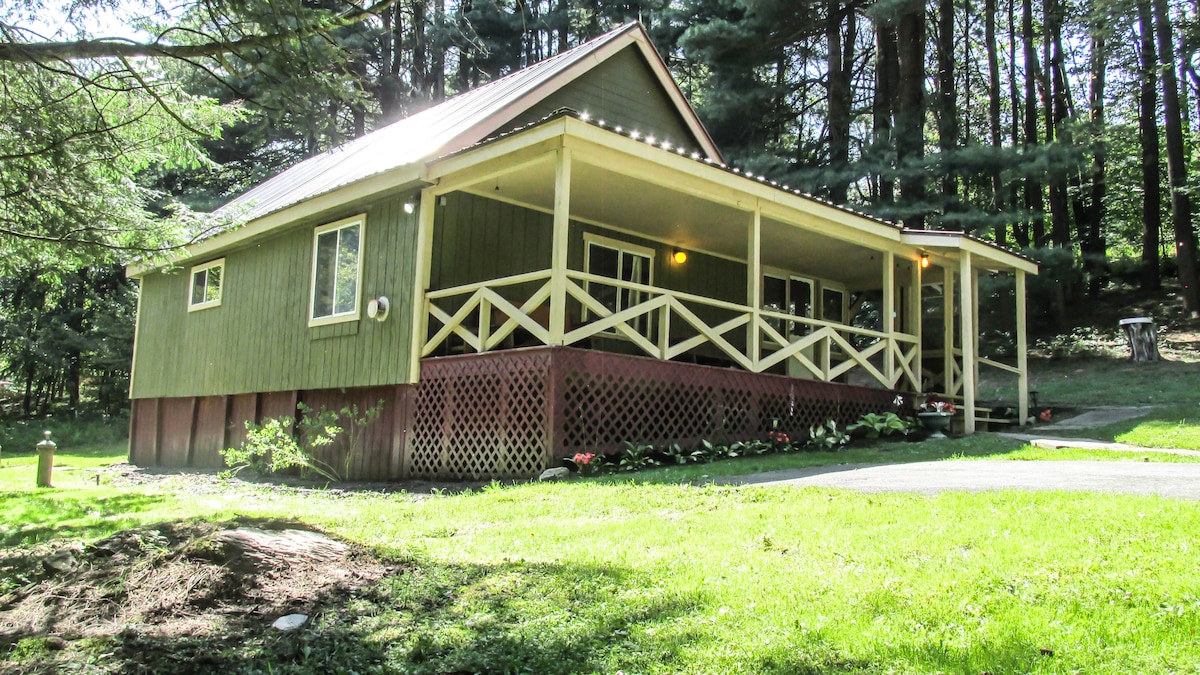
x=910 y=110
x=1020 y=228
x=946 y=100
x=993 y=61
x=1094 y=243
x=839 y=106
x=1033 y=187
x=1181 y=203
x=886 y=75
x=1056 y=115
x=1151 y=155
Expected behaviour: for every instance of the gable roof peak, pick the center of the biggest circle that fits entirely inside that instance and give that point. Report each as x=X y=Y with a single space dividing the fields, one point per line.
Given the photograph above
x=458 y=122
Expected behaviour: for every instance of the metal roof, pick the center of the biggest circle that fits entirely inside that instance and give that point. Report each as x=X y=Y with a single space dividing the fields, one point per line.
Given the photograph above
x=454 y=124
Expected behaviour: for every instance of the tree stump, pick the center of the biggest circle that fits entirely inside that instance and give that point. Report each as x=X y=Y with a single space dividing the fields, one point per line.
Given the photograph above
x=1142 y=336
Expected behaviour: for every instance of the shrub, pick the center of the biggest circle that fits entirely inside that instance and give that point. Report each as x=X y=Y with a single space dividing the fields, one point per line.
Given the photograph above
x=272 y=448
x=827 y=437
x=877 y=425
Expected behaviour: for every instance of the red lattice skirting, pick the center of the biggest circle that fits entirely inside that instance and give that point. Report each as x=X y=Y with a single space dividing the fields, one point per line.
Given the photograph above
x=513 y=413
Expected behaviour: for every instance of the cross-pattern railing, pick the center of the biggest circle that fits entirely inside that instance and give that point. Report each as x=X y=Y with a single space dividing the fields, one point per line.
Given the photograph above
x=667 y=324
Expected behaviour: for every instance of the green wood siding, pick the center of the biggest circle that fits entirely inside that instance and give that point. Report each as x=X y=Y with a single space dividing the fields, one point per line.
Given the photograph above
x=258 y=339
x=476 y=239
x=622 y=90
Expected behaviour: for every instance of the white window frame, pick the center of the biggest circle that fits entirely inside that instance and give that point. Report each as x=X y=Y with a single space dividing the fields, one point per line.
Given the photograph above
x=589 y=240
x=787 y=277
x=196 y=269
x=353 y=315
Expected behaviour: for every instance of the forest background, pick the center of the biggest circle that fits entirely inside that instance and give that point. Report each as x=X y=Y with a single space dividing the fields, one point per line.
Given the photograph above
x=1064 y=128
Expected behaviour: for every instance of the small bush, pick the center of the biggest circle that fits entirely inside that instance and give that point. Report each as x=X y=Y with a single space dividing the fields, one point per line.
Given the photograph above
x=881 y=425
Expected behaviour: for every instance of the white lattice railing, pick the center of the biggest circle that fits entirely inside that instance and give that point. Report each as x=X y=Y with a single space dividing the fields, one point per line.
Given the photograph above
x=666 y=324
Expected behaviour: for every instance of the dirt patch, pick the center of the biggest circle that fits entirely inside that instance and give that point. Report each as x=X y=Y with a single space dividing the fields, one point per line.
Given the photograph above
x=192 y=581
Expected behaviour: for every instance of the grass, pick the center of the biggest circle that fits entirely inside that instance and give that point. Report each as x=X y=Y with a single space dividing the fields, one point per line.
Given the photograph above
x=664 y=572
x=654 y=578
x=1100 y=381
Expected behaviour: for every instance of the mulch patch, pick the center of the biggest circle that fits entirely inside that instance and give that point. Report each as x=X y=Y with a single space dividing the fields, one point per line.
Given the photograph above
x=153 y=592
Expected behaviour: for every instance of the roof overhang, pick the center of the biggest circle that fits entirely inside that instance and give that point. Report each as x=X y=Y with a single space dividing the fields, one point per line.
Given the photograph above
x=950 y=245
x=406 y=177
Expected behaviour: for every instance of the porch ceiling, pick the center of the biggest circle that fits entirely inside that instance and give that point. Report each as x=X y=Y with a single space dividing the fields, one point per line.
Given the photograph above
x=613 y=199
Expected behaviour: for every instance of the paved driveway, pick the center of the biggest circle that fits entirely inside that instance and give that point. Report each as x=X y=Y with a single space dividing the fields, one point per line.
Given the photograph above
x=1181 y=481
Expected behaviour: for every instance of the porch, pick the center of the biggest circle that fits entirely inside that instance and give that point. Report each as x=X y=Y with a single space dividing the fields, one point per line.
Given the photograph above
x=625 y=246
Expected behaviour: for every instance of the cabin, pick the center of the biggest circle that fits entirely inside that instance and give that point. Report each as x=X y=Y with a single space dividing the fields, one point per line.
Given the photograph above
x=555 y=262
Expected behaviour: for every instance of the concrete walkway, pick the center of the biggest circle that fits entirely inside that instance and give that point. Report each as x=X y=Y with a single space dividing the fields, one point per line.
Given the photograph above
x=1181 y=481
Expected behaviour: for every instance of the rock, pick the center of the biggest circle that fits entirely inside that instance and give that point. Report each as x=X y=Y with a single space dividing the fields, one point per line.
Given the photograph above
x=557 y=473
x=60 y=563
x=290 y=622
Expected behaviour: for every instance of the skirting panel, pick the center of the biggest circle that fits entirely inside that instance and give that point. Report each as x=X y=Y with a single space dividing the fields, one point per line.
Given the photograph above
x=509 y=414
x=513 y=413
x=190 y=432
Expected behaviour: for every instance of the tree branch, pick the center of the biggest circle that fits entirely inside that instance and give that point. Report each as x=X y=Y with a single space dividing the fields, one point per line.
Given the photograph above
x=39 y=52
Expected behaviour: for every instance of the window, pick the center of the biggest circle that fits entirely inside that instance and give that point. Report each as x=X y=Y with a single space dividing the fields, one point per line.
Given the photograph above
x=788 y=295
x=626 y=262
x=205 y=290
x=833 y=304
x=337 y=272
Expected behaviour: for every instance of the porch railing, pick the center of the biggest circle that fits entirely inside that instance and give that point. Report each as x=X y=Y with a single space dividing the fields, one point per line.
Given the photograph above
x=666 y=324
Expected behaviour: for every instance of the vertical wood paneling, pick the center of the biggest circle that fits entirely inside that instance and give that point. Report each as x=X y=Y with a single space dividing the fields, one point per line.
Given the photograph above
x=258 y=339
x=175 y=430
x=209 y=432
x=242 y=408
x=143 y=432
x=622 y=90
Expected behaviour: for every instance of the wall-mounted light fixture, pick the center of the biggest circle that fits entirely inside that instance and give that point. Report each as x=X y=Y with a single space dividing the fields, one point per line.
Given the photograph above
x=679 y=256
x=924 y=260
x=409 y=207
x=377 y=308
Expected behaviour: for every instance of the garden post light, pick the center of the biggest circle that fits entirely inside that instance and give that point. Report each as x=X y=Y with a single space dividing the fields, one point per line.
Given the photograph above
x=45 y=451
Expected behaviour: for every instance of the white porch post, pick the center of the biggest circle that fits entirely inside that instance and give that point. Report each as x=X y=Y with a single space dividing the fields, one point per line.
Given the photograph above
x=889 y=316
x=915 y=313
x=424 y=264
x=966 y=277
x=558 y=246
x=1022 y=347
x=754 y=287
x=948 y=329
x=975 y=320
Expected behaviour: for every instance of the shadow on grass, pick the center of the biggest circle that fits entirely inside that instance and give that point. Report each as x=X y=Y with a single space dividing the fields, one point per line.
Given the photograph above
x=424 y=616
x=33 y=517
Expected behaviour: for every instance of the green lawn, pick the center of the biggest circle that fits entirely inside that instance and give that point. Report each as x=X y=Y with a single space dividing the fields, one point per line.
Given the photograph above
x=663 y=572
x=654 y=578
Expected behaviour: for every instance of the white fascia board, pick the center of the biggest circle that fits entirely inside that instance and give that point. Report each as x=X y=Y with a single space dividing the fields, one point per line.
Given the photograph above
x=402 y=177
x=729 y=188
x=945 y=242
x=444 y=168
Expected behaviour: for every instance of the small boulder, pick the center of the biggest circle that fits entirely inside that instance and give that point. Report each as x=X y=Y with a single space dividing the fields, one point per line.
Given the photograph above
x=60 y=563
x=557 y=473
x=290 y=622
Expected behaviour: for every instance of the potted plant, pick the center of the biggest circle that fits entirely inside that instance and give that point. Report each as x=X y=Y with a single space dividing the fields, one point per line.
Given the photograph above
x=935 y=414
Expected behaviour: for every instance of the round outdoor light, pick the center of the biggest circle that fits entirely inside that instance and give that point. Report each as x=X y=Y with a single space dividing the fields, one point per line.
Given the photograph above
x=679 y=257
x=924 y=260
x=377 y=308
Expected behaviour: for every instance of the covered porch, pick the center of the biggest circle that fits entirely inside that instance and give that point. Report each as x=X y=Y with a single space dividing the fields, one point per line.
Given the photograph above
x=573 y=232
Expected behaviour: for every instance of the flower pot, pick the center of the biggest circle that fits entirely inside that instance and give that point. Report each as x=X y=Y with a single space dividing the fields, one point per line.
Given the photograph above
x=937 y=422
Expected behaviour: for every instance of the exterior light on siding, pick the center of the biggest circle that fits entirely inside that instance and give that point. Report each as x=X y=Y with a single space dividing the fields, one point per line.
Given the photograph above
x=679 y=256
x=409 y=207
x=924 y=260
x=378 y=308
